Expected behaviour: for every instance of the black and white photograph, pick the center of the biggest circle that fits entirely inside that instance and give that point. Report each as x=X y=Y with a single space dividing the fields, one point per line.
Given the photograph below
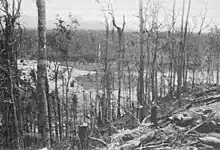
x=109 y=74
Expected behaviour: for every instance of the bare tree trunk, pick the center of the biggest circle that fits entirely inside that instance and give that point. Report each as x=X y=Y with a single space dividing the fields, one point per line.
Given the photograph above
x=148 y=76
x=162 y=78
x=154 y=62
x=49 y=111
x=185 y=71
x=67 y=111
x=129 y=85
x=42 y=74
x=180 y=59
x=193 y=77
x=54 y=101
x=217 y=69
x=97 y=104
x=194 y=67
x=57 y=99
x=172 y=66
x=212 y=71
x=14 y=107
x=120 y=57
x=84 y=106
x=141 y=67
x=181 y=52
x=112 y=77
x=156 y=82
x=69 y=71
x=208 y=70
x=107 y=74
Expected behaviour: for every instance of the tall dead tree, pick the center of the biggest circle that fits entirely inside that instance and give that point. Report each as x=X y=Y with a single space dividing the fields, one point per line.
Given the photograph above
x=120 y=31
x=171 y=52
x=112 y=76
x=141 y=64
x=43 y=126
x=107 y=72
x=182 y=44
x=155 y=50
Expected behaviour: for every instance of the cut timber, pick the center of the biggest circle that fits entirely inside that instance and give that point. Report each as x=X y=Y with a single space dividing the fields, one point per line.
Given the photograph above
x=44 y=148
x=213 y=101
x=213 y=134
x=207 y=92
x=147 y=137
x=182 y=120
x=207 y=120
x=98 y=140
x=208 y=100
x=209 y=140
x=130 y=145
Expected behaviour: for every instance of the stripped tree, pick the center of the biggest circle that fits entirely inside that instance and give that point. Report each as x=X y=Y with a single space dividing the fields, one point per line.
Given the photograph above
x=42 y=75
x=140 y=88
x=120 y=31
x=182 y=44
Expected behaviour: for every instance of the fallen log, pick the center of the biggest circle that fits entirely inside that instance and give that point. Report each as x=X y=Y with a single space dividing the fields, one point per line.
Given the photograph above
x=182 y=120
x=213 y=134
x=98 y=140
x=207 y=92
x=208 y=100
x=209 y=140
x=130 y=145
x=159 y=146
x=147 y=137
x=213 y=101
x=207 y=120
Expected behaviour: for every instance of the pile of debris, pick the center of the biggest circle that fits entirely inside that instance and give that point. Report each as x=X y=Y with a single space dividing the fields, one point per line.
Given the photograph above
x=195 y=126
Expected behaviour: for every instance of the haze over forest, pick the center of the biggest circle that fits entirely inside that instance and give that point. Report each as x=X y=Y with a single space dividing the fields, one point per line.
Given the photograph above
x=90 y=16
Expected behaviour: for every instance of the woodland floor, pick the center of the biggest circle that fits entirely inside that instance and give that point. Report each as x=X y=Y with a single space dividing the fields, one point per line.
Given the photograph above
x=194 y=126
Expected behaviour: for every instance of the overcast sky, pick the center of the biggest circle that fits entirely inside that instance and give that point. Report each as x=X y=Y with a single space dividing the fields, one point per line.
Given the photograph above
x=90 y=16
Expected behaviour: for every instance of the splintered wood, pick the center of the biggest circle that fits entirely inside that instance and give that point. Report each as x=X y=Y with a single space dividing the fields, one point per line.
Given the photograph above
x=192 y=127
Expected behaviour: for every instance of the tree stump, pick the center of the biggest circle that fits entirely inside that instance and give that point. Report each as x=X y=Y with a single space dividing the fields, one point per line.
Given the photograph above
x=83 y=136
x=154 y=115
